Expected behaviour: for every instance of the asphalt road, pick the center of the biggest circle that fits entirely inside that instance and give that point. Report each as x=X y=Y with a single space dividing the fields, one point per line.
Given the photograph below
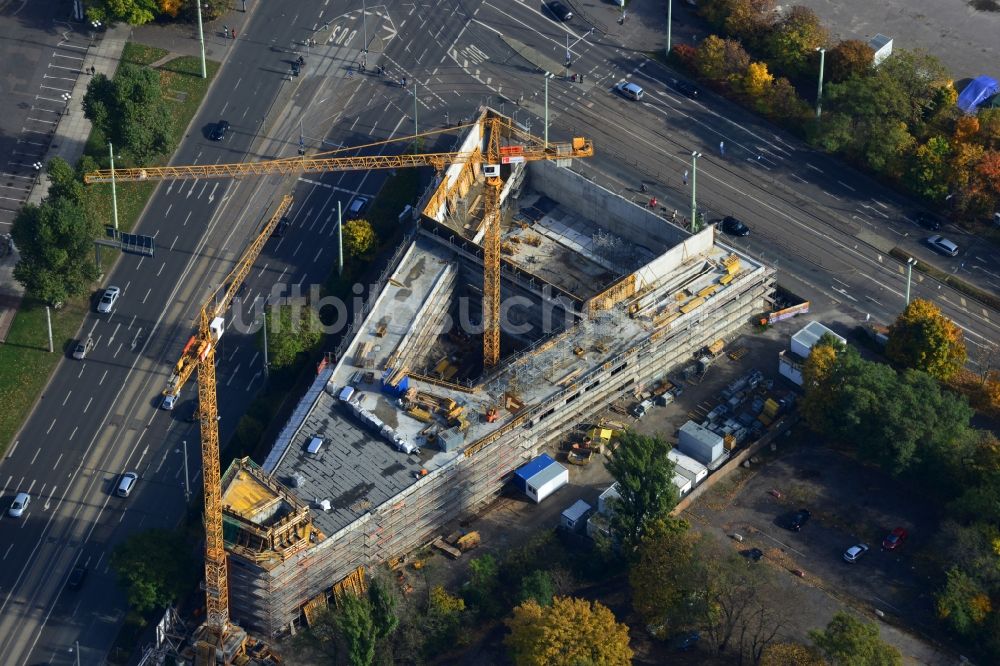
x=99 y=417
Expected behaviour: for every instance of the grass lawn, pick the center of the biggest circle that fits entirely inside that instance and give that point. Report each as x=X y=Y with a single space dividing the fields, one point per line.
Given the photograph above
x=24 y=358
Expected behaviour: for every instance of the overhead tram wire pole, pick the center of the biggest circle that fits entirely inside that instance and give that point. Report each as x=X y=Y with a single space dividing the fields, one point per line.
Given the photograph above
x=910 y=263
x=114 y=196
x=819 y=91
x=364 y=26
x=670 y=23
x=694 y=185
x=201 y=39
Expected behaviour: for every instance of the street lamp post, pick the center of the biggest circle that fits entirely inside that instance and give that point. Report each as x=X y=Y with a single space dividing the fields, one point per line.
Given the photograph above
x=694 y=185
x=364 y=27
x=819 y=91
x=547 y=110
x=670 y=23
x=187 y=487
x=201 y=39
x=114 y=195
x=910 y=263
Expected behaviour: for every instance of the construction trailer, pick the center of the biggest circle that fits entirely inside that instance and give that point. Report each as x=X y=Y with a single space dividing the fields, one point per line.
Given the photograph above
x=540 y=478
x=699 y=443
x=607 y=299
x=687 y=466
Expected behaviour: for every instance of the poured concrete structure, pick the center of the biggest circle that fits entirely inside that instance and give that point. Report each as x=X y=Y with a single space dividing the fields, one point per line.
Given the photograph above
x=599 y=296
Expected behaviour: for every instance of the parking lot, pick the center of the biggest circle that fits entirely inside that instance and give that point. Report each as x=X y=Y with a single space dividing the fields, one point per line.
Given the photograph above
x=850 y=504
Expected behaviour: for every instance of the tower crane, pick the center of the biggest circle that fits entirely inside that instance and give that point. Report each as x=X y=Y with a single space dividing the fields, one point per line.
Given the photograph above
x=218 y=637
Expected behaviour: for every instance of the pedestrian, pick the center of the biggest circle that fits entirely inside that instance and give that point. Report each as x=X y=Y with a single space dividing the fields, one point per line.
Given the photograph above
x=350 y=73
x=581 y=78
x=234 y=33
x=722 y=148
x=225 y=31
x=93 y=70
x=404 y=81
x=685 y=176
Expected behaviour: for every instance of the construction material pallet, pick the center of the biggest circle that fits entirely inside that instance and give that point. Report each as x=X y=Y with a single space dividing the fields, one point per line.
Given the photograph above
x=738 y=353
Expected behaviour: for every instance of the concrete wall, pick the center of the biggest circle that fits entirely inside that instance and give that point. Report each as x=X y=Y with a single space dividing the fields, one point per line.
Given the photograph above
x=590 y=201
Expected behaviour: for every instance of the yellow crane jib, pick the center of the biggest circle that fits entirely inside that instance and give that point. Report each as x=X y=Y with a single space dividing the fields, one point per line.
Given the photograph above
x=215 y=307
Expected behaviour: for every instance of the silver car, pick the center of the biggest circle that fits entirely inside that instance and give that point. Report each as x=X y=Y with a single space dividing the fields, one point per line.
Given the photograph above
x=126 y=483
x=82 y=348
x=109 y=299
x=943 y=245
x=19 y=506
x=854 y=553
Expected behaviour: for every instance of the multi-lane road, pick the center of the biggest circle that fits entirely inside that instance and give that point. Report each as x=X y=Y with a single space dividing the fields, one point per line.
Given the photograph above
x=825 y=227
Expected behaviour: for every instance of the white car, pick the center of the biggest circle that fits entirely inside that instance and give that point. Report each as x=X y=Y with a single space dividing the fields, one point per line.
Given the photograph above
x=109 y=299
x=943 y=245
x=19 y=506
x=854 y=553
x=169 y=400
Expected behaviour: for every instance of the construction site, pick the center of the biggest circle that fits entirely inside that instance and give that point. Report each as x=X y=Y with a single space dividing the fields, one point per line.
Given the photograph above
x=416 y=424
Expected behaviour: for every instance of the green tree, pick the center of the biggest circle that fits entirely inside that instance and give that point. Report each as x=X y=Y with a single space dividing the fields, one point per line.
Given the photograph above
x=539 y=587
x=924 y=339
x=155 y=567
x=359 y=238
x=849 y=58
x=888 y=147
x=480 y=590
x=570 y=632
x=56 y=244
x=444 y=618
x=645 y=485
x=816 y=382
x=847 y=641
x=294 y=329
x=963 y=602
x=794 y=39
x=667 y=575
x=383 y=600
x=356 y=628
x=64 y=183
x=133 y=12
x=930 y=168
x=711 y=58
x=130 y=110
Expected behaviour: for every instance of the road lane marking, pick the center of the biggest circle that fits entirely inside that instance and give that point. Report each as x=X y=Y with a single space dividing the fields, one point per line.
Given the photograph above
x=845 y=185
x=148 y=291
x=102 y=378
x=50 y=426
x=87 y=406
x=35 y=457
x=61 y=455
x=814 y=168
x=68 y=394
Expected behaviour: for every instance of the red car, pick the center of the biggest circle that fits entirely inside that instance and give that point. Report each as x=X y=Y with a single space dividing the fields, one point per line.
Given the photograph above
x=895 y=539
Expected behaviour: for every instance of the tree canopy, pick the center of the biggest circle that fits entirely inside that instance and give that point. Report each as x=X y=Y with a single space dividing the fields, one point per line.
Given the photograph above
x=666 y=575
x=904 y=422
x=847 y=641
x=359 y=238
x=155 y=567
x=923 y=339
x=56 y=241
x=292 y=329
x=645 y=484
x=130 y=111
x=567 y=633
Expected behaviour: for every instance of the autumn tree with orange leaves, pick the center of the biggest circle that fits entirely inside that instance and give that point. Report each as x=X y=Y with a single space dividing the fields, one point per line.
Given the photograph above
x=924 y=339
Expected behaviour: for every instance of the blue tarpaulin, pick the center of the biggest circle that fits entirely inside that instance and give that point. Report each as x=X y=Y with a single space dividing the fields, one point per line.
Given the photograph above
x=978 y=91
